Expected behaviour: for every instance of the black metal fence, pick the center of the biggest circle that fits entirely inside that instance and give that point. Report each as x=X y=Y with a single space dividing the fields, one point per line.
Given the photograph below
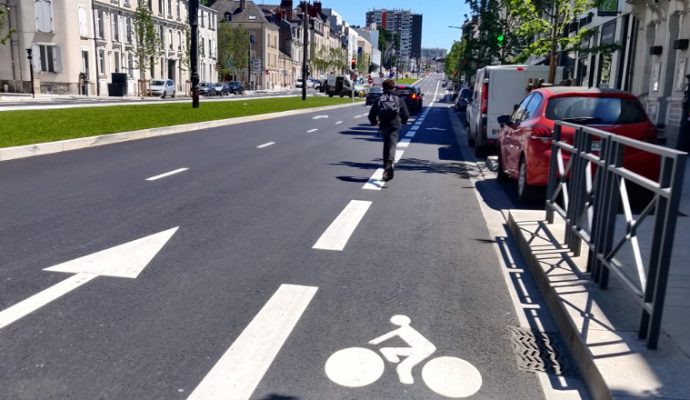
x=589 y=187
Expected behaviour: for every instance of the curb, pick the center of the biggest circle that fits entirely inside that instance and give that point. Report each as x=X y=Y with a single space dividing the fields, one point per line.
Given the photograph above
x=578 y=349
x=39 y=149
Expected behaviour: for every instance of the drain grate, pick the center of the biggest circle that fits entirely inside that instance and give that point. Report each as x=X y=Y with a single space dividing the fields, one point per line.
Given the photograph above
x=540 y=352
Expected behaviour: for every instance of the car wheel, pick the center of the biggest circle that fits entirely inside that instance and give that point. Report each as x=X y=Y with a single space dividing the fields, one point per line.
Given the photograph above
x=173 y=95
x=525 y=192
x=163 y=95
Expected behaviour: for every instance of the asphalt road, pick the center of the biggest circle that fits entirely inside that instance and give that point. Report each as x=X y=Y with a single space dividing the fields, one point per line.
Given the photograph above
x=239 y=299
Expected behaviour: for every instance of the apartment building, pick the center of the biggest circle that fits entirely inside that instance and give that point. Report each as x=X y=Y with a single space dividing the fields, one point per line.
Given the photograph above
x=77 y=45
x=408 y=26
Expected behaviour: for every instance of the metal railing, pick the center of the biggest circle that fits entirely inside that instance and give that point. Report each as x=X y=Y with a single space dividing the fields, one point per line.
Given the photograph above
x=588 y=187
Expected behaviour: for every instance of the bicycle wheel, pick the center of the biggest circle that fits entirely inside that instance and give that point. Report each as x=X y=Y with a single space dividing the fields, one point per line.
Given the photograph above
x=452 y=377
x=354 y=367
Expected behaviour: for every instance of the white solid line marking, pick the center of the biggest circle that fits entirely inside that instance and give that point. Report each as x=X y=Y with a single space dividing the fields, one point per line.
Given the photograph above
x=238 y=372
x=398 y=155
x=261 y=146
x=404 y=143
x=177 y=171
x=312 y=130
x=33 y=303
x=338 y=233
x=376 y=181
x=339 y=122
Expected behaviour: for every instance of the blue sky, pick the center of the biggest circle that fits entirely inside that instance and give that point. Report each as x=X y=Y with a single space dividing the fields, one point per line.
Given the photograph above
x=437 y=15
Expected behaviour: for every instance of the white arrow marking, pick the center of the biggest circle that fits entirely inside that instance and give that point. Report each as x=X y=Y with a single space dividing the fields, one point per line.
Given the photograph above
x=320 y=117
x=123 y=261
x=238 y=372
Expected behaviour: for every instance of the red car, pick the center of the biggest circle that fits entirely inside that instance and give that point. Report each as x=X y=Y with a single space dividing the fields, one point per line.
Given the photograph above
x=524 y=143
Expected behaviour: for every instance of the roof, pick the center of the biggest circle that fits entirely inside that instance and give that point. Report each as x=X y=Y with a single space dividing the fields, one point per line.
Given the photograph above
x=251 y=14
x=583 y=90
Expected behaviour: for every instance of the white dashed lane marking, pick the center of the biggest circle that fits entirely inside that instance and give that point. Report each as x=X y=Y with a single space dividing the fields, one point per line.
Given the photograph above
x=338 y=233
x=177 y=171
x=261 y=146
x=312 y=130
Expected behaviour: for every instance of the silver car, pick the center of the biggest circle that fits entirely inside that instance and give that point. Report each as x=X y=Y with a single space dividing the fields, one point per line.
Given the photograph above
x=162 y=88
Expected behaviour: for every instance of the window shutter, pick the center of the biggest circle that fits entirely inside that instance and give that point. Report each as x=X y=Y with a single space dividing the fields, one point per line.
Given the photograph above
x=36 y=58
x=57 y=59
x=83 y=28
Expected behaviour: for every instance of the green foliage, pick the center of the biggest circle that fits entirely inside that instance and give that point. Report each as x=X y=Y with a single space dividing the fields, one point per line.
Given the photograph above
x=40 y=126
x=233 y=47
x=363 y=63
x=4 y=35
x=148 y=43
x=389 y=44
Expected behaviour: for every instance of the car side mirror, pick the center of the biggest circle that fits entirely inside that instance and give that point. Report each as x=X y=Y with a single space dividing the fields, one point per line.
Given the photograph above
x=503 y=120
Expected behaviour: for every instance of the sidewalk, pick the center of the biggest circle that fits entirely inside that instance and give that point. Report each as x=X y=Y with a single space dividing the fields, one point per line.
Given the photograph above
x=600 y=326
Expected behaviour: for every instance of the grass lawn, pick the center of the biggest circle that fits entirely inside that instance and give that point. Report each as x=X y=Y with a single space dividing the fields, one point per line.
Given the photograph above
x=406 y=81
x=39 y=126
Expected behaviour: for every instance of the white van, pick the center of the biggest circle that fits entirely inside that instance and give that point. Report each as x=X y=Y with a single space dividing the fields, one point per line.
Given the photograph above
x=497 y=89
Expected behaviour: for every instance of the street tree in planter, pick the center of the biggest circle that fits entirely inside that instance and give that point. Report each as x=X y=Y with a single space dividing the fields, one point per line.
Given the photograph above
x=546 y=23
x=148 y=43
x=233 y=58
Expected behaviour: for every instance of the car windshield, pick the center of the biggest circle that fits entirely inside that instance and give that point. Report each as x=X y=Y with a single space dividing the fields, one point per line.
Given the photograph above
x=157 y=83
x=376 y=90
x=596 y=110
x=403 y=91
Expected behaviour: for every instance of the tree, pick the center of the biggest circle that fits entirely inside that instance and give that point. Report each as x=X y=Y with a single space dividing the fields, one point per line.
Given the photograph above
x=147 y=42
x=233 y=46
x=363 y=63
x=388 y=41
x=4 y=36
x=547 y=23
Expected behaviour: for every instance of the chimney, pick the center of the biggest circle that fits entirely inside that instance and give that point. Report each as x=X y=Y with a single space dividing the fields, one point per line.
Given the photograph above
x=243 y=5
x=286 y=5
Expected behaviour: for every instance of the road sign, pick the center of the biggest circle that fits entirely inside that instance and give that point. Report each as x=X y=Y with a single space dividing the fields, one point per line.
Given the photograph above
x=256 y=65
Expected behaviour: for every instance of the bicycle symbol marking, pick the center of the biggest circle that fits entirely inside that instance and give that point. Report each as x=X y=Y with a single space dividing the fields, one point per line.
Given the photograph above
x=447 y=376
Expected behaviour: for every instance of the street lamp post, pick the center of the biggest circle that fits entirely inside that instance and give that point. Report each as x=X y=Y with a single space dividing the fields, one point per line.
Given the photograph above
x=193 y=50
x=31 y=72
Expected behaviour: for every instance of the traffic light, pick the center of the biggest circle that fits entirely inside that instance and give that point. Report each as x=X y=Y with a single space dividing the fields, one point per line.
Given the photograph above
x=500 y=38
x=353 y=63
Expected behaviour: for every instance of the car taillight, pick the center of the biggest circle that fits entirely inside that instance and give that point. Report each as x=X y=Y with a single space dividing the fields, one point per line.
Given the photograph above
x=485 y=98
x=414 y=96
x=540 y=132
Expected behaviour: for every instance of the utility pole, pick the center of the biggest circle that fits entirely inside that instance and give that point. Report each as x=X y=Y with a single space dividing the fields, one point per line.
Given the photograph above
x=31 y=71
x=194 y=52
x=305 y=51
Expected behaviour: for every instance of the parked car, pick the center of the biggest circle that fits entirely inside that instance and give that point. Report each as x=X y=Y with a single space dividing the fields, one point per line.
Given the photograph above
x=340 y=86
x=162 y=88
x=462 y=100
x=412 y=95
x=207 y=89
x=524 y=144
x=496 y=89
x=373 y=95
x=316 y=84
x=234 y=87
x=299 y=82
x=218 y=87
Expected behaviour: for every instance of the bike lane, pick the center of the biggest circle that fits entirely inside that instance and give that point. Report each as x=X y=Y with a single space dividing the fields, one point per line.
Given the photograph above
x=421 y=251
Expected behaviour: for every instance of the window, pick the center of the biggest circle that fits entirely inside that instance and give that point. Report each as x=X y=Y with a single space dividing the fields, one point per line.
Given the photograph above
x=100 y=16
x=160 y=7
x=116 y=61
x=522 y=108
x=161 y=35
x=170 y=8
x=85 y=62
x=44 y=15
x=83 y=22
x=128 y=29
x=179 y=41
x=228 y=16
x=130 y=65
x=202 y=17
x=170 y=35
x=49 y=56
x=599 y=110
x=101 y=61
x=178 y=10
x=533 y=105
x=116 y=27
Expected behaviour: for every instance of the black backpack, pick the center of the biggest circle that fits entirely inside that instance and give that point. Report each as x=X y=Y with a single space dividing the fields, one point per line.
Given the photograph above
x=389 y=107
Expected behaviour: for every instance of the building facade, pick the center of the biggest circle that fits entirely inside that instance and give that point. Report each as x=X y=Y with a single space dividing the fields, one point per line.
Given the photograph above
x=89 y=47
x=408 y=26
